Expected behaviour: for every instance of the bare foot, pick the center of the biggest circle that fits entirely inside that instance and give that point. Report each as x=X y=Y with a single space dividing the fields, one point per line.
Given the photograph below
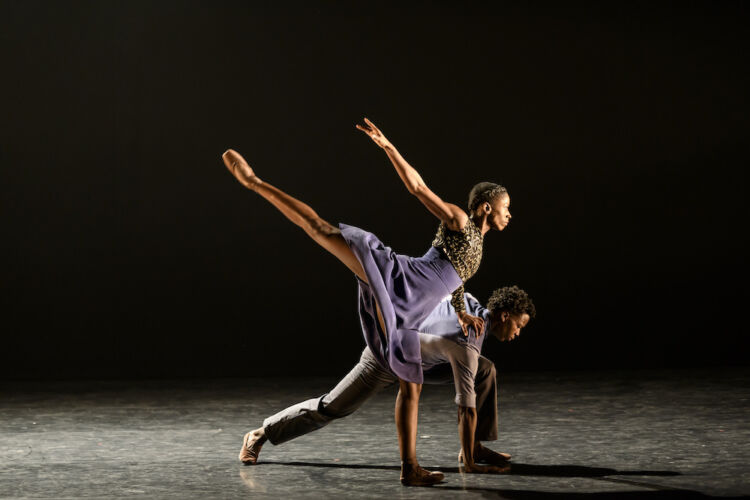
x=486 y=455
x=240 y=168
x=414 y=475
x=484 y=469
x=251 y=445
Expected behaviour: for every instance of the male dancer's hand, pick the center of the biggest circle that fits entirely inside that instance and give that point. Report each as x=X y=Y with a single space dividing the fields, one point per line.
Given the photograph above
x=375 y=134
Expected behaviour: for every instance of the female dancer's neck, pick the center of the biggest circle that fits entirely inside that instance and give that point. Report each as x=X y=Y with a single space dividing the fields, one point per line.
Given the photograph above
x=481 y=222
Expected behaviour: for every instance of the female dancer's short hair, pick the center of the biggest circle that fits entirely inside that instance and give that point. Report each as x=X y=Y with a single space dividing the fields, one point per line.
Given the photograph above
x=484 y=191
x=511 y=299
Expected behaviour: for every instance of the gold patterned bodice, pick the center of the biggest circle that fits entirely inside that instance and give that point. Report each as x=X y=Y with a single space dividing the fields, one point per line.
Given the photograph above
x=464 y=251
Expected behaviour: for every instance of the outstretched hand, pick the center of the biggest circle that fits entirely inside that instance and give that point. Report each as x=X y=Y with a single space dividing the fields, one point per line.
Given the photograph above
x=467 y=320
x=374 y=132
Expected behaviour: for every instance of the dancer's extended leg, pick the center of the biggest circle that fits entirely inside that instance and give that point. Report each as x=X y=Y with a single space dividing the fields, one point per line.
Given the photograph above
x=330 y=238
x=324 y=233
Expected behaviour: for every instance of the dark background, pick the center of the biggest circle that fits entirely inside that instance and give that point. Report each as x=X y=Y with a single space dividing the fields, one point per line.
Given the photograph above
x=129 y=251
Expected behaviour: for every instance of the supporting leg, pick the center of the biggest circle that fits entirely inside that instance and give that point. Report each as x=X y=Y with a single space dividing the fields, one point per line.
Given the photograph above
x=407 y=413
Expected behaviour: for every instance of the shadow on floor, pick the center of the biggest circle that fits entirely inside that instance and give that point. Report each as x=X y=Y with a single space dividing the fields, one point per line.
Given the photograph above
x=656 y=492
x=609 y=495
x=337 y=465
x=516 y=469
x=580 y=471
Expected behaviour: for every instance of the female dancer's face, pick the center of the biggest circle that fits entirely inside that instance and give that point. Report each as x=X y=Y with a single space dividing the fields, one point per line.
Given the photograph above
x=499 y=216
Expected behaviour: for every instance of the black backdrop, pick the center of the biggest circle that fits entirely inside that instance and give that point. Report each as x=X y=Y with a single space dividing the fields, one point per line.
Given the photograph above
x=129 y=251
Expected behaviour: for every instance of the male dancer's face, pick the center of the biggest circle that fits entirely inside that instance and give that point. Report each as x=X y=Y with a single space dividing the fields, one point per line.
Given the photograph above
x=507 y=326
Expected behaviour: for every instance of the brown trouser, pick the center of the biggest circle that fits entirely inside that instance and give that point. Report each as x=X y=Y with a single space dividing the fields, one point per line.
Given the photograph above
x=365 y=380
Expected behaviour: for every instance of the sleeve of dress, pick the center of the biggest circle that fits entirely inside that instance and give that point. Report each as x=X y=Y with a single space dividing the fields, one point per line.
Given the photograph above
x=457 y=299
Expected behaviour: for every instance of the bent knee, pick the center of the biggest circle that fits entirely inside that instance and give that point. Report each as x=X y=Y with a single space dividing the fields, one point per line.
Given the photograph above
x=333 y=412
x=333 y=409
x=486 y=367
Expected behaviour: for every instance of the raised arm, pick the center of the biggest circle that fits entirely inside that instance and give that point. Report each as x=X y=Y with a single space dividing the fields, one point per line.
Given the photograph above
x=453 y=217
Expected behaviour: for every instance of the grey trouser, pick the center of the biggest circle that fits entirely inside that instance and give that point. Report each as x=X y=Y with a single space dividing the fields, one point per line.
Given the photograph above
x=365 y=380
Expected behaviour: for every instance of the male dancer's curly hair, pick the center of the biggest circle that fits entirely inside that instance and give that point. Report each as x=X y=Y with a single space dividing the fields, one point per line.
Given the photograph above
x=511 y=299
x=484 y=191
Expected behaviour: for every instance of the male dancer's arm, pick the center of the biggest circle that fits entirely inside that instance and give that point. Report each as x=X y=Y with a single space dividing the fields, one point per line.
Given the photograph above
x=467 y=426
x=463 y=361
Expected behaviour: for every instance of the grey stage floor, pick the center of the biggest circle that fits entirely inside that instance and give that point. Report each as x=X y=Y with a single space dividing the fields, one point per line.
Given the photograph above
x=676 y=434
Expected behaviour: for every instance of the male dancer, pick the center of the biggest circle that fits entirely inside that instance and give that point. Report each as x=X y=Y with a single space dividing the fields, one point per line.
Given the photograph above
x=445 y=349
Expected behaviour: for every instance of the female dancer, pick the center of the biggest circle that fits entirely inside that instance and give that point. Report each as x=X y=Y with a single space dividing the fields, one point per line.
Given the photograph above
x=397 y=292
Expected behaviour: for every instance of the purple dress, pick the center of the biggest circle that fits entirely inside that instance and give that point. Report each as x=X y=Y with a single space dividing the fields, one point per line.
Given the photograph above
x=407 y=289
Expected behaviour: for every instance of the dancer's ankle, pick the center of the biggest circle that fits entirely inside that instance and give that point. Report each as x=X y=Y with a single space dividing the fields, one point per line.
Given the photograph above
x=409 y=464
x=259 y=436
